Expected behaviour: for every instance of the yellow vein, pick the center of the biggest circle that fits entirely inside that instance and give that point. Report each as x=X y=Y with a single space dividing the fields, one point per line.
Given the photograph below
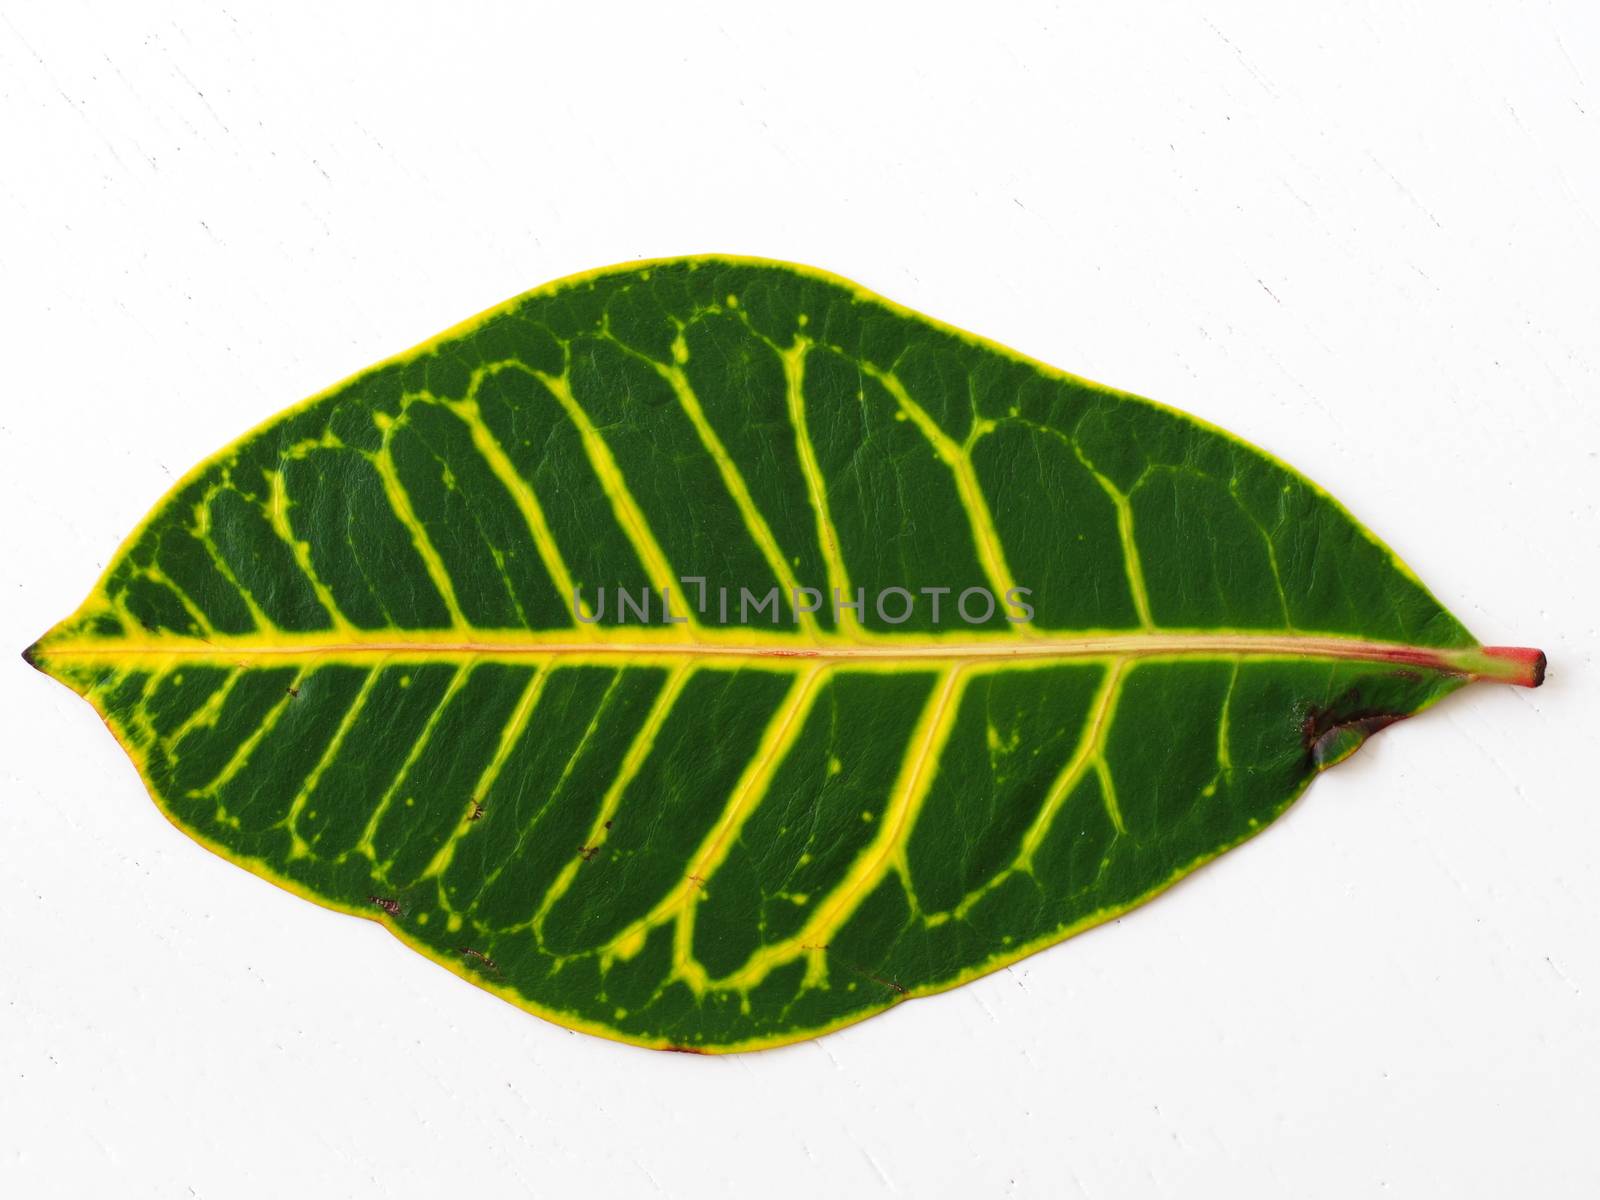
x=1224 y=753
x=299 y=847
x=202 y=532
x=755 y=523
x=1087 y=754
x=1132 y=565
x=680 y=903
x=883 y=854
x=119 y=608
x=278 y=517
x=794 y=367
x=364 y=844
x=1090 y=743
x=156 y=575
x=510 y=734
x=623 y=505
x=985 y=538
x=1272 y=552
x=643 y=741
x=206 y=712
x=522 y=493
x=242 y=752
x=1108 y=794
x=400 y=502
x=137 y=721
x=555 y=789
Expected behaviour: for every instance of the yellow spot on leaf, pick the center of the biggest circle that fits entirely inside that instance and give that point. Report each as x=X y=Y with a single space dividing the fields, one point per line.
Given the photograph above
x=631 y=944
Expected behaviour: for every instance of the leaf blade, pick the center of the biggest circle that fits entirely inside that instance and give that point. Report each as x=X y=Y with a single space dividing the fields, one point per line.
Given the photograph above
x=754 y=421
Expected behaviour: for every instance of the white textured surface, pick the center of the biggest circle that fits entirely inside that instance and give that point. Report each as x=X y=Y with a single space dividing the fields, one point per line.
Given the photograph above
x=1364 y=237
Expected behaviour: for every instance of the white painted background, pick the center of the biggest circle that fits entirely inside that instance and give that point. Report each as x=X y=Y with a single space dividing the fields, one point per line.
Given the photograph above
x=1363 y=236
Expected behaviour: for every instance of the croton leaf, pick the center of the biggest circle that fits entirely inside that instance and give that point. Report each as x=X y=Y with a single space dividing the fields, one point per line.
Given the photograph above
x=708 y=653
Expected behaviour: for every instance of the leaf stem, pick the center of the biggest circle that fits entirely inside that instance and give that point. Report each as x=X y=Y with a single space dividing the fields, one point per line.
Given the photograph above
x=1520 y=665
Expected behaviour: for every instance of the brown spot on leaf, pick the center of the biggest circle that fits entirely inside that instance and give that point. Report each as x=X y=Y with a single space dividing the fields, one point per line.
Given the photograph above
x=897 y=988
x=1332 y=734
x=481 y=957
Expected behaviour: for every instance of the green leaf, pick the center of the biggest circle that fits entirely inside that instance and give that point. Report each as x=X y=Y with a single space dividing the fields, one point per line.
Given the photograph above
x=344 y=652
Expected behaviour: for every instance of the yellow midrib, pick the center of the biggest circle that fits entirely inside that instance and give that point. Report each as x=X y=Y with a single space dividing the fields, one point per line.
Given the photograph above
x=754 y=646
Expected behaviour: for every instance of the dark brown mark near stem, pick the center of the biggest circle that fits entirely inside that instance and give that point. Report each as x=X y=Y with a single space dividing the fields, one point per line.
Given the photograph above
x=1327 y=733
